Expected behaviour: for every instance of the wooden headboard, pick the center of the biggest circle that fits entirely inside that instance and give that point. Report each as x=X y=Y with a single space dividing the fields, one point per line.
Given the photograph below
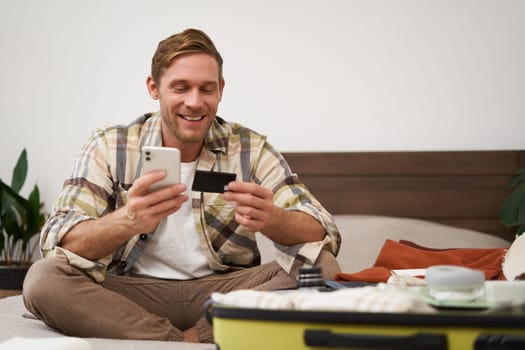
x=458 y=188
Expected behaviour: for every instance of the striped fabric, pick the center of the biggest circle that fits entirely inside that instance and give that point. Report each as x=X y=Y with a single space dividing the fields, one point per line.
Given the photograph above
x=110 y=161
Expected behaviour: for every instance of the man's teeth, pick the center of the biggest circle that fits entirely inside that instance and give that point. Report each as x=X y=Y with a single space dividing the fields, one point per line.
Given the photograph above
x=192 y=118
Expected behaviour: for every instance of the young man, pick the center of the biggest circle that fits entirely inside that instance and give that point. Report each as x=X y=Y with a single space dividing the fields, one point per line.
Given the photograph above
x=124 y=262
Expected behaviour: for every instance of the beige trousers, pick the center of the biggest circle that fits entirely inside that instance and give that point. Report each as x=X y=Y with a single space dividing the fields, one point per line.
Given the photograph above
x=123 y=307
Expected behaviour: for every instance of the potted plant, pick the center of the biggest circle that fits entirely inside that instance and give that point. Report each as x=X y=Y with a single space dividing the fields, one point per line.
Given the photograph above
x=20 y=220
x=512 y=212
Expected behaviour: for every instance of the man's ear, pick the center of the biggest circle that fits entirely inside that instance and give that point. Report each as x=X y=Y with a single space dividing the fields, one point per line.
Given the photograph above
x=152 y=88
x=221 y=89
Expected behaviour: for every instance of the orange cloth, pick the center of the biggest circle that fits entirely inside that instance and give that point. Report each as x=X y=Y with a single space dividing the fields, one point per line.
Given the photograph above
x=408 y=255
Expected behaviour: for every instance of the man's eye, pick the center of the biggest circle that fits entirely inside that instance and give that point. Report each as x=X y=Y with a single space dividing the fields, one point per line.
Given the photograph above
x=180 y=89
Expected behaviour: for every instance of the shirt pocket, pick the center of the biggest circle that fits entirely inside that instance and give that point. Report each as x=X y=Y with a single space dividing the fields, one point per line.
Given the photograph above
x=215 y=206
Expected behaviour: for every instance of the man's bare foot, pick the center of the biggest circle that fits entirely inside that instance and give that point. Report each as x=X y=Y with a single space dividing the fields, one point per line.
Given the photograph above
x=191 y=335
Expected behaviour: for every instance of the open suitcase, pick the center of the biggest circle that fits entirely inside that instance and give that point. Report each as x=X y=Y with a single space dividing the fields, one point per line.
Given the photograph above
x=242 y=329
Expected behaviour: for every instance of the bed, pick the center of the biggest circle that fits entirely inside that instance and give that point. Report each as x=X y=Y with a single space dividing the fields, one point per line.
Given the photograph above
x=457 y=188
x=436 y=199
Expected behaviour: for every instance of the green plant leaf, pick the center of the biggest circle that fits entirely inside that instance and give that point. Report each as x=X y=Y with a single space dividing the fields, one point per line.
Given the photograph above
x=19 y=172
x=34 y=199
x=34 y=217
x=34 y=203
x=517 y=179
x=520 y=230
x=520 y=219
x=12 y=224
x=17 y=216
x=1 y=203
x=512 y=211
x=2 y=237
x=2 y=240
x=4 y=199
x=14 y=197
x=20 y=218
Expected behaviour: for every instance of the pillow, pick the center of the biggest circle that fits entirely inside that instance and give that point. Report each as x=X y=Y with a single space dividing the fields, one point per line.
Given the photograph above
x=363 y=237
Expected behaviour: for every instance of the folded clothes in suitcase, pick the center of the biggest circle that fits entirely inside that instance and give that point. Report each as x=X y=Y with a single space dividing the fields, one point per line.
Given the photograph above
x=244 y=327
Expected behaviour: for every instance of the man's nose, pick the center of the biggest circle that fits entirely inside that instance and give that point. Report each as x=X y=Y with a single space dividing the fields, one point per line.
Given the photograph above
x=194 y=98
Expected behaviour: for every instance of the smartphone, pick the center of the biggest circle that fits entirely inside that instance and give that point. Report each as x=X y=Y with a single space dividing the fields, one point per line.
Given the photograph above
x=161 y=158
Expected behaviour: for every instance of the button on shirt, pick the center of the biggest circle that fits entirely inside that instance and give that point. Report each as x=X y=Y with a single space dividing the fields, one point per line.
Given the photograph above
x=109 y=163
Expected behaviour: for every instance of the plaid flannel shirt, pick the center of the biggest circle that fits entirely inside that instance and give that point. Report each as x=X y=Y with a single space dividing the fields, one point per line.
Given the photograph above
x=110 y=161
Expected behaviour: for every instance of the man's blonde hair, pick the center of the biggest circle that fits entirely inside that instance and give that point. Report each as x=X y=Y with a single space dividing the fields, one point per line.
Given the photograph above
x=189 y=41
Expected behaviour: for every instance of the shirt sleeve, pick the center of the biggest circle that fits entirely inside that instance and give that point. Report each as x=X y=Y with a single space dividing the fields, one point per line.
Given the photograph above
x=87 y=194
x=272 y=171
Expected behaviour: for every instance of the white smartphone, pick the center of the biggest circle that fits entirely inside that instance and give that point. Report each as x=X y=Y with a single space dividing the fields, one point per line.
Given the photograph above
x=161 y=158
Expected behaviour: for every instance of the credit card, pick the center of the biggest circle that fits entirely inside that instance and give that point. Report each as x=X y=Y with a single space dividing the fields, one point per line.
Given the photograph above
x=211 y=181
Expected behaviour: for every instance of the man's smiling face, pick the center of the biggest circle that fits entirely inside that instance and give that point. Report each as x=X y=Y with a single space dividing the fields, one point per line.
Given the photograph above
x=189 y=92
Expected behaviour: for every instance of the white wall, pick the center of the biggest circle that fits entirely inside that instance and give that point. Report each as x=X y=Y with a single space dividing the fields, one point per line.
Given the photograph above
x=313 y=75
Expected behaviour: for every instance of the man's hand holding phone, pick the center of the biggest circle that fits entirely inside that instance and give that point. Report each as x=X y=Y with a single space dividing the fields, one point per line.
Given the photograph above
x=158 y=192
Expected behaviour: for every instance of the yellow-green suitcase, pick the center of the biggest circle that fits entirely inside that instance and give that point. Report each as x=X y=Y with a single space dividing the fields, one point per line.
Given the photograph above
x=242 y=329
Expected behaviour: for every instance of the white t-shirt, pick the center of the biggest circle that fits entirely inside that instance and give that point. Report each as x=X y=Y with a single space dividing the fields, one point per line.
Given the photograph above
x=173 y=251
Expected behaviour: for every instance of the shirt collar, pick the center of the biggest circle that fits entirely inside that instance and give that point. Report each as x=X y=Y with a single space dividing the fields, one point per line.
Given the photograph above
x=216 y=139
